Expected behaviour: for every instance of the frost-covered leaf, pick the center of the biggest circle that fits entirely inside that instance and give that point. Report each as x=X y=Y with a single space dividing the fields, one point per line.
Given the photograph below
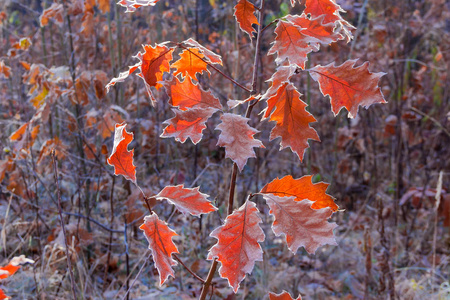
x=159 y=237
x=122 y=159
x=244 y=12
x=292 y=120
x=238 y=247
x=237 y=138
x=348 y=86
x=300 y=224
x=186 y=200
x=302 y=188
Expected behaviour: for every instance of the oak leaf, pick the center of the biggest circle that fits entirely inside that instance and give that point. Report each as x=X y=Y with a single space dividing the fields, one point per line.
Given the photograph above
x=283 y=296
x=301 y=188
x=290 y=43
x=301 y=225
x=238 y=247
x=348 y=86
x=315 y=30
x=159 y=237
x=132 y=5
x=187 y=124
x=237 y=138
x=282 y=75
x=186 y=200
x=211 y=56
x=186 y=94
x=122 y=159
x=154 y=61
x=331 y=12
x=292 y=120
x=244 y=12
x=191 y=62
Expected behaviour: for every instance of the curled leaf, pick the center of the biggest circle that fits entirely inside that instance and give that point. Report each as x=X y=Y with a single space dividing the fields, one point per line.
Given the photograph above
x=159 y=237
x=122 y=159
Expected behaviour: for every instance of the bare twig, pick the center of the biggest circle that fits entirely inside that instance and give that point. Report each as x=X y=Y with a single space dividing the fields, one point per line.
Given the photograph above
x=69 y=264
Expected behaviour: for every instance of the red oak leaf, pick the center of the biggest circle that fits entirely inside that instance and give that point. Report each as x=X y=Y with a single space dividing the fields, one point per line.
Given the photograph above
x=190 y=63
x=186 y=94
x=187 y=124
x=132 y=5
x=187 y=201
x=282 y=75
x=301 y=225
x=154 y=61
x=331 y=12
x=122 y=159
x=244 y=12
x=301 y=188
x=315 y=30
x=292 y=120
x=237 y=247
x=14 y=265
x=283 y=296
x=328 y=8
x=237 y=138
x=159 y=237
x=290 y=43
x=211 y=56
x=3 y=296
x=348 y=86
x=122 y=76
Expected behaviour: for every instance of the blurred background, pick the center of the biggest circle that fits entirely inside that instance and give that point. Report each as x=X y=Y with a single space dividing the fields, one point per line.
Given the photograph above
x=383 y=166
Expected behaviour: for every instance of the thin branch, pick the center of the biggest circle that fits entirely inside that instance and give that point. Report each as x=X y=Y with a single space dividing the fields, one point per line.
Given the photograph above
x=187 y=268
x=69 y=263
x=216 y=69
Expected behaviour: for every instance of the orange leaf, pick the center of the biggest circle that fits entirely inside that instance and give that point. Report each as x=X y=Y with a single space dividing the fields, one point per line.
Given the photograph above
x=315 y=30
x=282 y=75
x=301 y=188
x=328 y=8
x=211 y=56
x=103 y=5
x=238 y=247
x=159 y=237
x=154 y=62
x=292 y=120
x=348 y=86
x=237 y=138
x=187 y=200
x=244 y=12
x=122 y=159
x=55 y=12
x=331 y=12
x=283 y=296
x=300 y=224
x=8 y=270
x=132 y=5
x=186 y=94
x=18 y=134
x=122 y=76
x=190 y=63
x=5 y=71
x=290 y=43
x=188 y=124
x=3 y=296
